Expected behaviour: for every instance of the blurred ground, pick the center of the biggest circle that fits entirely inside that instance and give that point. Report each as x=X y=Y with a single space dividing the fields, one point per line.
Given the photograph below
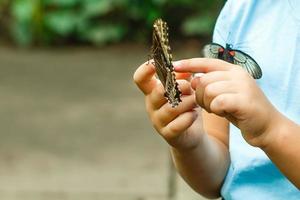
x=73 y=126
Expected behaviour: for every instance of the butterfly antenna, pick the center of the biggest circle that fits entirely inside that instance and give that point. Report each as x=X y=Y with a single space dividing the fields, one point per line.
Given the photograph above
x=221 y=35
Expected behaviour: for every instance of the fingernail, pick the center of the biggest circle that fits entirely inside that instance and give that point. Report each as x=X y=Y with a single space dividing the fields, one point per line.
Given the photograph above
x=198 y=75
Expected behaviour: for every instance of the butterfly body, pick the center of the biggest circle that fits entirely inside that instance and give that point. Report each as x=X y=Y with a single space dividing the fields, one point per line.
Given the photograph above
x=233 y=56
x=226 y=53
x=161 y=54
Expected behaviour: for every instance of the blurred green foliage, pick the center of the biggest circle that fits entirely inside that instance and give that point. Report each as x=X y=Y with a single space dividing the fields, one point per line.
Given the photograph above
x=47 y=22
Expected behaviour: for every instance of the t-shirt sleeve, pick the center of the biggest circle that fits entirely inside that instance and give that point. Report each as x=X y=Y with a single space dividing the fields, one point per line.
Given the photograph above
x=221 y=30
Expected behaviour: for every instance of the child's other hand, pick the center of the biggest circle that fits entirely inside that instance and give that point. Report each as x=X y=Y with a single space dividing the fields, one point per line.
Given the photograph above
x=180 y=126
x=229 y=91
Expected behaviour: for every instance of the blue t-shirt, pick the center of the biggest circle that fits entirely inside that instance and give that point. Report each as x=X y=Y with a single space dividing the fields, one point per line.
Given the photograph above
x=269 y=31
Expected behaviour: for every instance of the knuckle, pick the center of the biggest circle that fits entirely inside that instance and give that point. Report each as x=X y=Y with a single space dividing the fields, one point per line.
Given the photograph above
x=203 y=81
x=156 y=122
x=163 y=132
x=166 y=133
x=209 y=91
x=172 y=130
x=221 y=102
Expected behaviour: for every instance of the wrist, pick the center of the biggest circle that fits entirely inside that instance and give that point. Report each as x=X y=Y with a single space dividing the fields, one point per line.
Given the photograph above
x=273 y=133
x=280 y=136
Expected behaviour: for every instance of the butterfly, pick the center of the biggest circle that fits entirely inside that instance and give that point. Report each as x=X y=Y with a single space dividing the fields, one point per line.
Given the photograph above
x=233 y=56
x=161 y=54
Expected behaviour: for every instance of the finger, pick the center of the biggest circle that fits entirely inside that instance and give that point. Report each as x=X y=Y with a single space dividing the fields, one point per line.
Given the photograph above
x=144 y=77
x=199 y=93
x=225 y=104
x=167 y=113
x=157 y=98
x=215 y=89
x=195 y=82
x=211 y=77
x=185 y=76
x=185 y=87
x=202 y=65
x=179 y=125
x=200 y=83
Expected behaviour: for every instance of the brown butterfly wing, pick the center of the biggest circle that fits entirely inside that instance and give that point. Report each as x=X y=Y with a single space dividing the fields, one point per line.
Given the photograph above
x=161 y=53
x=159 y=60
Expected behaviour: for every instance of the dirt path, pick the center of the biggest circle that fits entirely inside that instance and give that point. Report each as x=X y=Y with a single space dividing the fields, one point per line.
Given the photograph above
x=73 y=126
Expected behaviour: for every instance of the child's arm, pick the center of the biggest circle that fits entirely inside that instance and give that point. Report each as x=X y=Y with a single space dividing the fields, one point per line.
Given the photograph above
x=204 y=167
x=201 y=159
x=228 y=91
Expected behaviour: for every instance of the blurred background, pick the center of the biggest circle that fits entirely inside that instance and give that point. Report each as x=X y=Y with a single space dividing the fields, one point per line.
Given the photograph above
x=72 y=123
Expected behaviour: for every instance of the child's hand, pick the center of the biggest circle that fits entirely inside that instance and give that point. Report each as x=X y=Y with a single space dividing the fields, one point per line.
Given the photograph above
x=179 y=126
x=229 y=91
